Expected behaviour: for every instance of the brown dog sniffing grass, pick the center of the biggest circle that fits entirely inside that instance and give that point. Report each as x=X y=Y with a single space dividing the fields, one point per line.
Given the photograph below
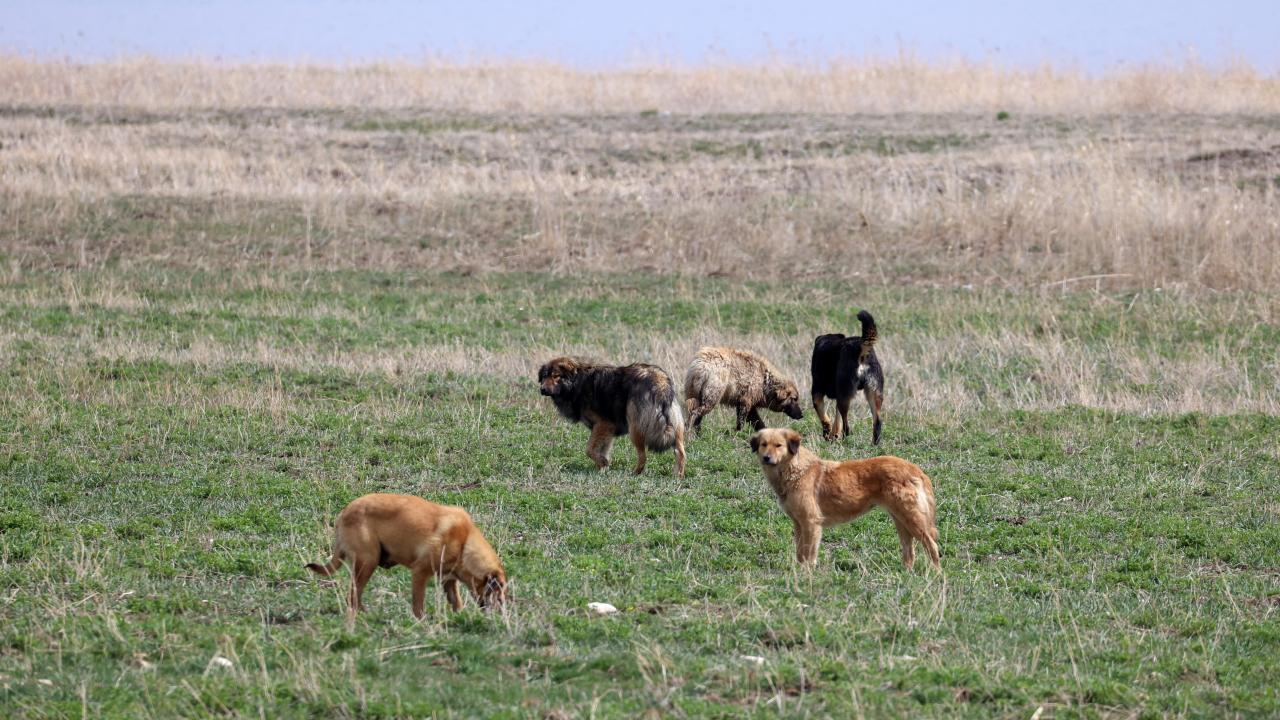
x=817 y=493
x=739 y=379
x=382 y=530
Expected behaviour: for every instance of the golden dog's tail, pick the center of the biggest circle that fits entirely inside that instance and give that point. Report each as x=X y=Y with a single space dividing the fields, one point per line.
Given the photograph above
x=326 y=570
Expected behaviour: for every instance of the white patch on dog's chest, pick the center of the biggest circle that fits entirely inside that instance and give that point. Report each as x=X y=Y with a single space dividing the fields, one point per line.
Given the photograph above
x=862 y=370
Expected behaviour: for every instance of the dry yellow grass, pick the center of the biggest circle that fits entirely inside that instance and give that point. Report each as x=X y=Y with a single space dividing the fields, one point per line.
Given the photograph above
x=892 y=85
x=1151 y=178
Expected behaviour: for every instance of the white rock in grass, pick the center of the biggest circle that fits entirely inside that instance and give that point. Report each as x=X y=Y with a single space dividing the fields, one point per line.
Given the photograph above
x=600 y=608
x=752 y=660
x=219 y=661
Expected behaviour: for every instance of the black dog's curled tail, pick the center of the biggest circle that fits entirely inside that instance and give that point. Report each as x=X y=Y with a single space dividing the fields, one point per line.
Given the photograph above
x=869 y=333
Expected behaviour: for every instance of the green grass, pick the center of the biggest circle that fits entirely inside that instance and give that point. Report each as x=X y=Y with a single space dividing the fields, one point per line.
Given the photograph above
x=162 y=484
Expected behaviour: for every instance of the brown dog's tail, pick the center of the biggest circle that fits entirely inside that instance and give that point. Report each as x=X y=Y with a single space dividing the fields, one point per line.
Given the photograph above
x=869 y=333
x=326 y=570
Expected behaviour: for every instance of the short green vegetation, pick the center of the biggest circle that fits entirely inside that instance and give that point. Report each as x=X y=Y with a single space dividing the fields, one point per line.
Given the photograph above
x=174 y=444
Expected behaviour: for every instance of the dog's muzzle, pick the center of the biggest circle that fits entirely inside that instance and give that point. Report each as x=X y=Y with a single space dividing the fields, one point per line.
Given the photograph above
x=768 y=460
x=795 y=413
x=545 y=391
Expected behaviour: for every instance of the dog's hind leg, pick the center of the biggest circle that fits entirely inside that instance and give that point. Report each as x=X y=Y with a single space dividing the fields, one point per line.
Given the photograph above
x=908 y=543
x=637 y=439
x=820 y=407
x=875 y=399
x=599 y=443
x=702 y=404
x=679 y=449
x=919 y=527
x=930 y=542
x=361 y=570
x=842 y=408
x=698 y=410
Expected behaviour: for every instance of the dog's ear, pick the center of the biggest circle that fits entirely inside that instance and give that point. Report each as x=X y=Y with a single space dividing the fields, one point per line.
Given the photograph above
x=793 y=442
x=755 y=442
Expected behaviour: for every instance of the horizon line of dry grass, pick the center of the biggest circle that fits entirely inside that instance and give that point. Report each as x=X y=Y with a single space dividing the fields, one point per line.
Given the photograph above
x=902 y=84
x=208 y=166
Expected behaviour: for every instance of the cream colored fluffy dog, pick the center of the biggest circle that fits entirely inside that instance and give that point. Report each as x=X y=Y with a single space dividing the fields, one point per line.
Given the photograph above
x=739 y=379
x=817 y=493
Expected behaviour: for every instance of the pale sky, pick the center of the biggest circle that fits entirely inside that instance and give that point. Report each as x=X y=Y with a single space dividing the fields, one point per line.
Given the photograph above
x=1092 y=34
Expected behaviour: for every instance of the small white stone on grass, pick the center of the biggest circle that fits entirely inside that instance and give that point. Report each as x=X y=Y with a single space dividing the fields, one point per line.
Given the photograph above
x=600 y=608
x=219 y=661
x=753 y=660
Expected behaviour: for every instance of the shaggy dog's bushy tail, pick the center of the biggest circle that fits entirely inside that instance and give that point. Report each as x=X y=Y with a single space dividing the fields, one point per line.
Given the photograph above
x=656 y=412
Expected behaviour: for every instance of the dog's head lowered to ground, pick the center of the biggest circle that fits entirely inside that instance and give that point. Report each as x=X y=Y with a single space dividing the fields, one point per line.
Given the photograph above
x=491 y=591
x=775 y=446
x=784 y=397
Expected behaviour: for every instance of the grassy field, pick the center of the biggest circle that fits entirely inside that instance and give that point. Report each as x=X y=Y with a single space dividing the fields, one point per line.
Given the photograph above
x=176 y=443
x=235 y=297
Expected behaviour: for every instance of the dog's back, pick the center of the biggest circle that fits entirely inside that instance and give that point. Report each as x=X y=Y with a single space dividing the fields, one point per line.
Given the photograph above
x=843 y=485
x=827 y=350
x=741 y=373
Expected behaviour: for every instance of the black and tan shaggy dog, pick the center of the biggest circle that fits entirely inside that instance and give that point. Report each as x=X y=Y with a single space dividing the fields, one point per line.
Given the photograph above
x=638 y=400
x=841 y=367
x=739 y=379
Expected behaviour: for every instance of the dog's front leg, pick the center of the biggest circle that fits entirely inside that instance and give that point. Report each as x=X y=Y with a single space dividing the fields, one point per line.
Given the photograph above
x=598 y=445
x=451 y=593
x=820 y=407
x=680 y=454
x=757 y=422
x=419 y=583
x=742 y=414
x=808 y=536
